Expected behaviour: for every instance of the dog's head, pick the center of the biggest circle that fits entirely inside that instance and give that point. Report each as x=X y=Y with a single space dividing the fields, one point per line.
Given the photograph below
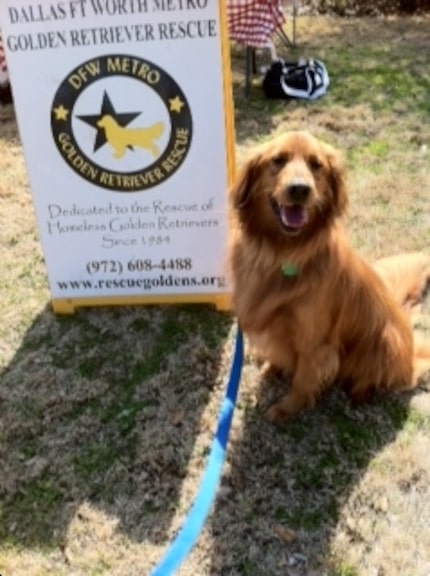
x=290 y=186
x=105 y=121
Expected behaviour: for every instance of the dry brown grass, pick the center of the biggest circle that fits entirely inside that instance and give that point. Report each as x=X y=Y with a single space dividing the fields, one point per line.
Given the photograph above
x=107 y=416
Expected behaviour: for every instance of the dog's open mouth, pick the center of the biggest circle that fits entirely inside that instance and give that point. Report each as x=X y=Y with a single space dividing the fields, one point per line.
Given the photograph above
x=293 y=217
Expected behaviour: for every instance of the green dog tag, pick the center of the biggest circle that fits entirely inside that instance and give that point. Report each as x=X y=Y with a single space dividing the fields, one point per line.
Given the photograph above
x=290 y=270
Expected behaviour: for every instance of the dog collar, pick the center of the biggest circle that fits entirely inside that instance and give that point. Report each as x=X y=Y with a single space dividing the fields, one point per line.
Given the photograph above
x=290 y=270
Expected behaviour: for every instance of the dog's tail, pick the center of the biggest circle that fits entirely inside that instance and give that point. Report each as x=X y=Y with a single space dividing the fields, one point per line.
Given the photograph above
x=406 y=275
x=156 y=130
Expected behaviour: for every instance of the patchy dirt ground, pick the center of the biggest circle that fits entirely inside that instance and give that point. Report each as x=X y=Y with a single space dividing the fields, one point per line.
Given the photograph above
x=107 y=416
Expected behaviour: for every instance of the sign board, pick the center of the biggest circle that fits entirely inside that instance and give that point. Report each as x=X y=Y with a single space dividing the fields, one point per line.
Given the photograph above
x=125 y=114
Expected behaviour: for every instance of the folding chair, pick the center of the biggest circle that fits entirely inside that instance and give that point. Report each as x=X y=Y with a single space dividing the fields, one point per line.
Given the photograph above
x=253 y=23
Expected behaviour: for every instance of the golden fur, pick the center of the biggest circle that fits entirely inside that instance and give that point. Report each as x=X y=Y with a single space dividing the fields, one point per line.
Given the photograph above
x=329 y=316
x=121 y=138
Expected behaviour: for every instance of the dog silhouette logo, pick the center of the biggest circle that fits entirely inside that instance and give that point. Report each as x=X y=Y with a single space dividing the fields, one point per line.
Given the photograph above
x=121 y=123
x=120 y=138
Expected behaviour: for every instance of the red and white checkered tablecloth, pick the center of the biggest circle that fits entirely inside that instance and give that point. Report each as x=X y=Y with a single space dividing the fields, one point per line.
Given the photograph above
x=4 y=78
x=253 y=22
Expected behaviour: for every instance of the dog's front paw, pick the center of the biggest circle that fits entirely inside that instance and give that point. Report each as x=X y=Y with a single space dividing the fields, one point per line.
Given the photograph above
x=288 y=407
x=277 y=414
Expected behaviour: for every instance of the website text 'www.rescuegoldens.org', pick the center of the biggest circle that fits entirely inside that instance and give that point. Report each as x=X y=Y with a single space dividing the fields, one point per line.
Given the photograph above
x=147 y=284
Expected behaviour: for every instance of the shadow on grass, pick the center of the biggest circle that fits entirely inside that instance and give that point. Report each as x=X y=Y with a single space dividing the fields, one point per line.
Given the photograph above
x=104 y=407
x=297 y=477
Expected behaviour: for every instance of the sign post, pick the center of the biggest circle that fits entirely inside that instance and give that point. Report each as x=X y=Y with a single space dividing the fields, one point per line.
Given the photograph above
x=125 y=114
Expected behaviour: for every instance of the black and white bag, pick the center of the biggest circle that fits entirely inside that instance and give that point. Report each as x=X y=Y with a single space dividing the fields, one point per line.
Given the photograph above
x=306 y=79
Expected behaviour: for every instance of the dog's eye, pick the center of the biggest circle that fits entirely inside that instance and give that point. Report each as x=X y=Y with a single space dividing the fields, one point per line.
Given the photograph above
x=279 y=161
x=315 y=163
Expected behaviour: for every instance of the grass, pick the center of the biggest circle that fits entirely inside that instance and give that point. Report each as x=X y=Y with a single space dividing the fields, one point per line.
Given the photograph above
x=107 y=416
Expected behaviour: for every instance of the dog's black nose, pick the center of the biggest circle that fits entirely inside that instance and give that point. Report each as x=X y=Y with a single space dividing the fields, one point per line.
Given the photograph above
x=298 y=192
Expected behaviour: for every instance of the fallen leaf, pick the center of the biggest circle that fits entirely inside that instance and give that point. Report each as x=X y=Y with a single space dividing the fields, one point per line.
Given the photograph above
x=285 y=534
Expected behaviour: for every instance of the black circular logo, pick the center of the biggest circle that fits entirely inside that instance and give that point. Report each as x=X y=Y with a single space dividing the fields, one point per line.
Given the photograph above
x=122 y=123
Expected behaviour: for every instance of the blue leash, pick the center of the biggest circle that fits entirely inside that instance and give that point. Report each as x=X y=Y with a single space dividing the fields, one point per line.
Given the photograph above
x=190 y=531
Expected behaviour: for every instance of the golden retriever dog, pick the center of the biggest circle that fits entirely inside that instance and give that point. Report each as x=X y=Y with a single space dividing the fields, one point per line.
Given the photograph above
x=121 y=138
x=309 y=305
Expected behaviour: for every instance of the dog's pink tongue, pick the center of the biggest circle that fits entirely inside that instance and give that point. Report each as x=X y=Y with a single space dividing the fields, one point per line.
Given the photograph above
x=293 y=216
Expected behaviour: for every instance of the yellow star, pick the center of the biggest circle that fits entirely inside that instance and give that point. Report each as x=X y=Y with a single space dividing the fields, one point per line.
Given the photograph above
x=61 y=112
x=176 y=104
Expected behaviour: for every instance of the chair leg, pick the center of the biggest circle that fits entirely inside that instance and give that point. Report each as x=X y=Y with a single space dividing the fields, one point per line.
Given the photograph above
x=294 y=24
x=250 y=68
x=291 y=43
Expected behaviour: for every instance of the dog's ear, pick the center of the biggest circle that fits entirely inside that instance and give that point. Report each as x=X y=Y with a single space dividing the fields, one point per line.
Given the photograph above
x=241 y=189
x=337 y=179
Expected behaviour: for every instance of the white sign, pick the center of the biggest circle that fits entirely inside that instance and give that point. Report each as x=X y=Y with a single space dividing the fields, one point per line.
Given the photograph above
x=125 y=115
